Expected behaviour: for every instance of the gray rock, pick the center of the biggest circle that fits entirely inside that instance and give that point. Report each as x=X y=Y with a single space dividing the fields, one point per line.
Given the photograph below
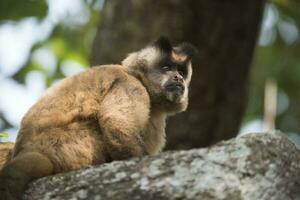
x=252 y=167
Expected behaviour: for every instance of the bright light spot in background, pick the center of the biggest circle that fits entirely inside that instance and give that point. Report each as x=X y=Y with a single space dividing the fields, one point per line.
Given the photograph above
x=35 y=83
x=16 y=40
x=288 y=31
x=46 y=59
x=282 y=102
x=69 y=67
x=15 y=100
x=70 y=12
x=268 y=32
x=271 y=16
x=287 y=27
x=267 y=37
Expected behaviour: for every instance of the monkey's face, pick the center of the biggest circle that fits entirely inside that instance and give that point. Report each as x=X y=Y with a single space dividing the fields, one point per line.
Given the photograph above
x=166 y=73
x=167 y=82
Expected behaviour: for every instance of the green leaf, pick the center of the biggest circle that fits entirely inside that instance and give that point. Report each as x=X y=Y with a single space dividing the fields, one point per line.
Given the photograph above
x=77 y=57
x=3 y=135
x=18 y=9
x=58 y=46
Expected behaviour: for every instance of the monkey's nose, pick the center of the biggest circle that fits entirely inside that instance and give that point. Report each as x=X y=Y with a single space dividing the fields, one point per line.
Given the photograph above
x=178 y=78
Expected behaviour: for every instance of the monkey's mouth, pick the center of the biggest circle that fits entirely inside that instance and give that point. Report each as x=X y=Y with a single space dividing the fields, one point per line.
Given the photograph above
x=175 y=87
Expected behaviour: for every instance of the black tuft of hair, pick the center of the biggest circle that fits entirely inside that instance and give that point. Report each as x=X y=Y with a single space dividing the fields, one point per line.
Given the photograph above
x=164 y=44
x=187 y=49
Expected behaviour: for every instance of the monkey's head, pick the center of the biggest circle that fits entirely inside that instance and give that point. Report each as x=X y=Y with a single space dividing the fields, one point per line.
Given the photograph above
x=165 y=71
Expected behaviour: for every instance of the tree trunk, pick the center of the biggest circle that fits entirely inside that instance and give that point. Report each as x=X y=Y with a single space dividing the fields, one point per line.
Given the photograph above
x=252 y=167
x=225 y=33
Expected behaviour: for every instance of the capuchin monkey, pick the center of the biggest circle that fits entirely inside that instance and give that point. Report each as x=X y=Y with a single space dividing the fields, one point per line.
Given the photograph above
x=109 y=112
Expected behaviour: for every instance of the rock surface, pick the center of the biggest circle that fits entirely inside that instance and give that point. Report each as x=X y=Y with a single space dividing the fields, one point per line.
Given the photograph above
x=256 y=166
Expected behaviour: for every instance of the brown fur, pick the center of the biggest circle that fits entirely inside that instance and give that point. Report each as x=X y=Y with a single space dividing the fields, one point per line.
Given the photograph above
x=110 y=112
x=5 y=153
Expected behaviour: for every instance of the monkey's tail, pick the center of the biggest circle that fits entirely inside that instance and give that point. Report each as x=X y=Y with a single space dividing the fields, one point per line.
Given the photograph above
x=5 y=153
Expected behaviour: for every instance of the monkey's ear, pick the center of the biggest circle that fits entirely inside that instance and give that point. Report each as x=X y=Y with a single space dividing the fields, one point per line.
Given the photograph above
x=163 y=44
x=187 y=49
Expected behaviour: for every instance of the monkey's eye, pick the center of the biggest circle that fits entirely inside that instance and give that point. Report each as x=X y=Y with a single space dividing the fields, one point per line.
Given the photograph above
x=166 y=68
x=181 y=72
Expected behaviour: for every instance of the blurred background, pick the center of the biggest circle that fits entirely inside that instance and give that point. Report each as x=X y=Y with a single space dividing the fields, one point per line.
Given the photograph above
x=42 y=42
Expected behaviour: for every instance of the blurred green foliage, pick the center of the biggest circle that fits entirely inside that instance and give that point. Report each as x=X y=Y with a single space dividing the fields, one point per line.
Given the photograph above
x=67 y=41
x=3 y=135
x=279 y=60
x=18 y=9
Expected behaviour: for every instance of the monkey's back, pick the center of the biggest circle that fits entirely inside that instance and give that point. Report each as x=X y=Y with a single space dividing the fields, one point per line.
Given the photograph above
x=63 y=124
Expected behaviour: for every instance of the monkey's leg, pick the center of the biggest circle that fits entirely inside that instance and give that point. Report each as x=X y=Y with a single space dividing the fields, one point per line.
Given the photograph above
x=25 y=167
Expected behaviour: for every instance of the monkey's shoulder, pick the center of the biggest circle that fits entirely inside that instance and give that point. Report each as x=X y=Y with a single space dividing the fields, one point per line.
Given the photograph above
x=117 y=76
x=103 y=76
x=94 y=81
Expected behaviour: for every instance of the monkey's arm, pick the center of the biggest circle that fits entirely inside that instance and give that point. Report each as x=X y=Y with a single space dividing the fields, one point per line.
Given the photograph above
x=123 y=116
